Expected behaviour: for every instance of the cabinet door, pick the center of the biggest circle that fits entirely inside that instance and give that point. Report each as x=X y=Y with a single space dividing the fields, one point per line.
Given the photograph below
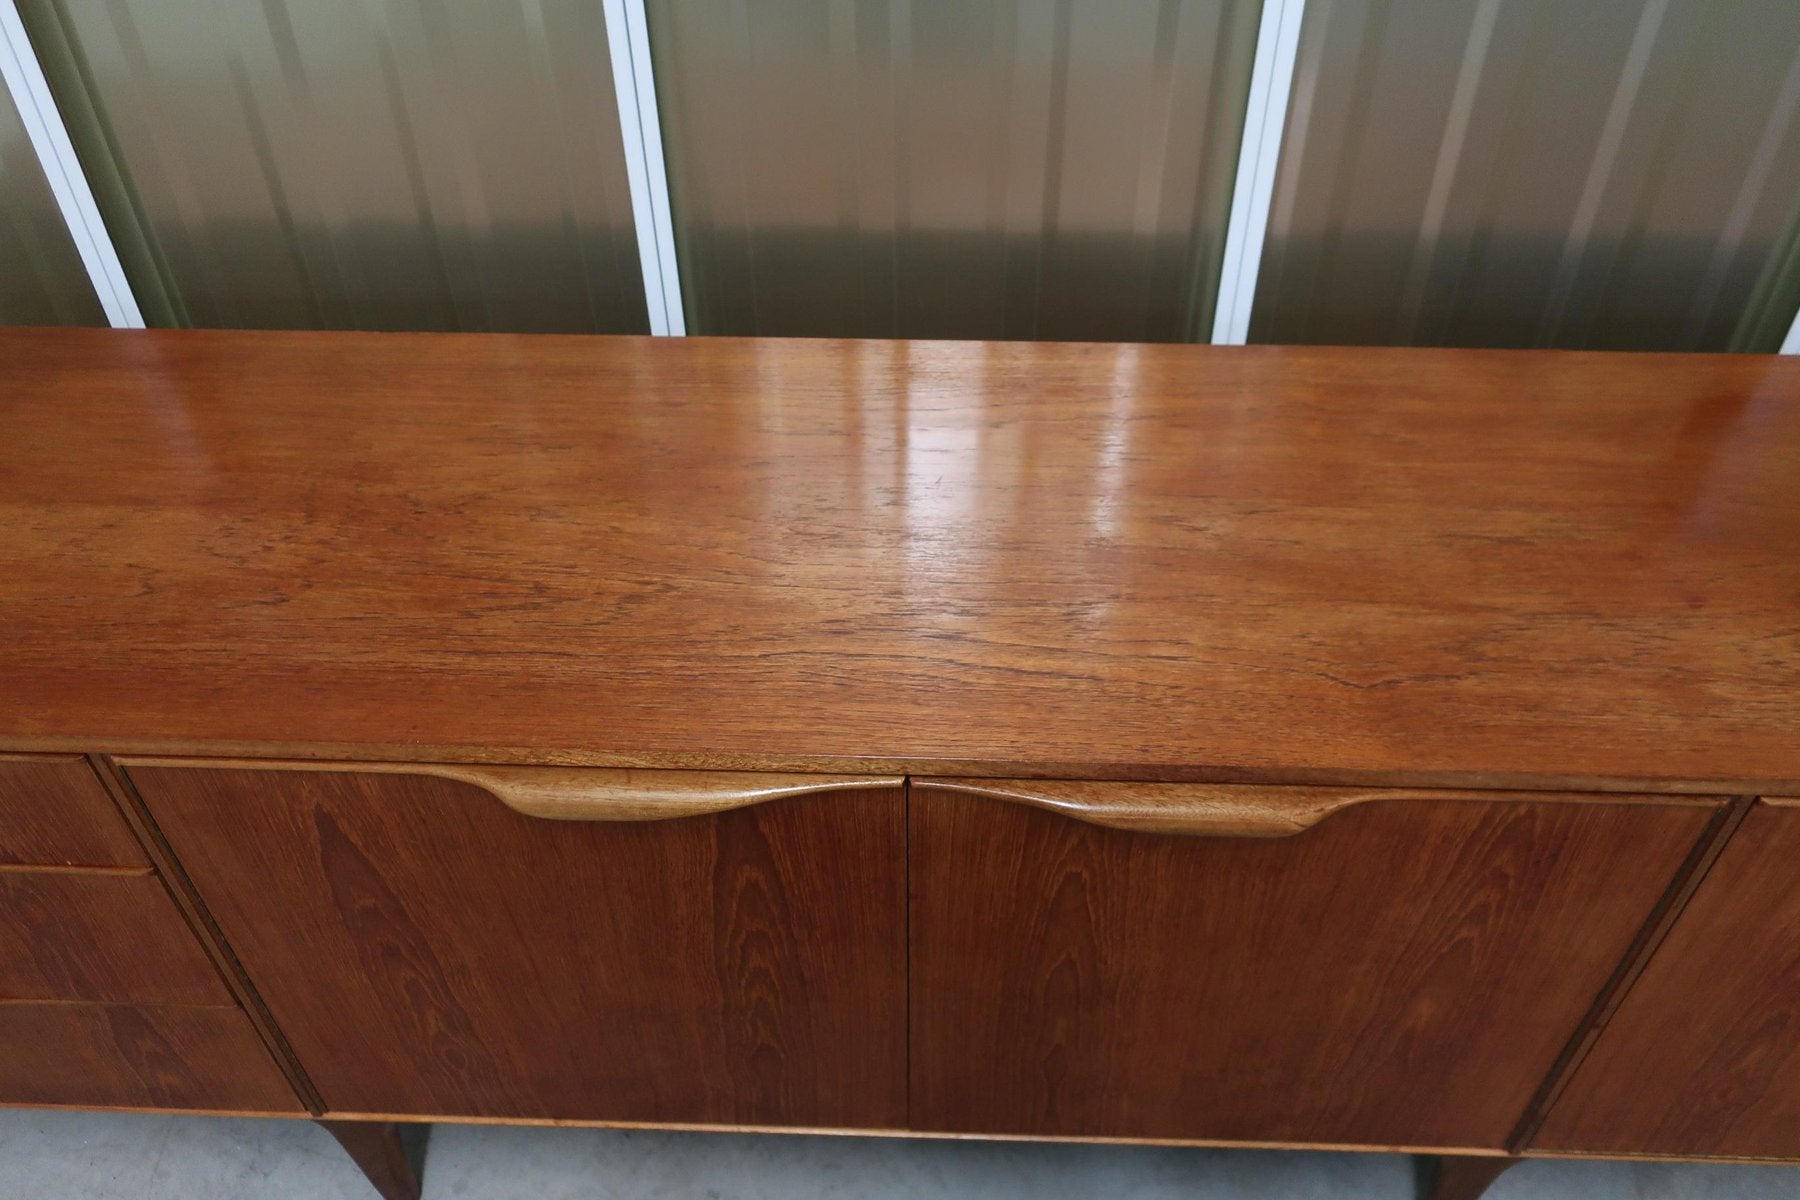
x=484 y=946
x=1392 y=971
x=1702 y=1057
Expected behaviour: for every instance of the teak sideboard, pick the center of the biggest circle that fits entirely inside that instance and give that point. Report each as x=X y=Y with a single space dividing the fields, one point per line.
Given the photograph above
x=1385 y=749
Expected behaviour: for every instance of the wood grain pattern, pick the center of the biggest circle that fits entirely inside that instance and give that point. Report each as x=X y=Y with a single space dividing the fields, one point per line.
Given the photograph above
x=1216 y=810
x=118 y=1056
x=1403 y=974
x=99 y=936
x=588 y=793
x=54 y=812
x=1703 y=1055
x=1185 y=563
x=428 y=950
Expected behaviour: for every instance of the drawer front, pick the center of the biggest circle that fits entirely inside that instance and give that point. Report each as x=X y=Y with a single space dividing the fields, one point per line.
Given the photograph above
x=120 y=1056
x=54 y=812
x=1702 y=1057
x=99 y=936
x=1266 y=966
x=430 y=945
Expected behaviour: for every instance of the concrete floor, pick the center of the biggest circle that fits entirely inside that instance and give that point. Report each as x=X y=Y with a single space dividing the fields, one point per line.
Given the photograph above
x=88 y=1156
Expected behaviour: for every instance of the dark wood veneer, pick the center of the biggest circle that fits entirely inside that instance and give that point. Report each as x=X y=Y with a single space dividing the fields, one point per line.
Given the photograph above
x=427 y=949
x=1402 y=974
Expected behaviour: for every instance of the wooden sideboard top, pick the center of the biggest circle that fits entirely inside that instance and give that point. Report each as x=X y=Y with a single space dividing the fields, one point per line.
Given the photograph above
x=1177 y=562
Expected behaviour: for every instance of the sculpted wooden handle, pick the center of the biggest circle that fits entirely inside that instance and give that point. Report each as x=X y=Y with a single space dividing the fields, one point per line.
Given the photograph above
x=583 y=793
x=621 y=794
x=1212 y=810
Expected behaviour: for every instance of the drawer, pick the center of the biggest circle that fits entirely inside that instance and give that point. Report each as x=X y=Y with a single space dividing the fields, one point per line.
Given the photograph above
x=53 y=811
x=101 y=936
x=1304 y=965
x=124 y=1056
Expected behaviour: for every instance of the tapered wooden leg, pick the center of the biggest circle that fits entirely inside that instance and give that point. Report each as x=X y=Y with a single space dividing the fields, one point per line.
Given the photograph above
x=1458 y=1176
x=390 y=1154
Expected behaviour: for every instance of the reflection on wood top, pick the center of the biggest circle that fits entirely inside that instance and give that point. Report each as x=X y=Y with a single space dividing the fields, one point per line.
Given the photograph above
x=1176 y=562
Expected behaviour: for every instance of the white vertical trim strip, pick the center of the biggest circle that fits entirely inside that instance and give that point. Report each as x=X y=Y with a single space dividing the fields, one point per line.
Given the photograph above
x=1265 y=118
x=68 y=183
x=1791 y=343
x=634 y=82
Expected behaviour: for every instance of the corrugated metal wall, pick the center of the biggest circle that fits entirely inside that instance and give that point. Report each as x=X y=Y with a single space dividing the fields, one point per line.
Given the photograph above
x=952 y=168
x=1609 y=173
x=42 y=281
x=374 y=164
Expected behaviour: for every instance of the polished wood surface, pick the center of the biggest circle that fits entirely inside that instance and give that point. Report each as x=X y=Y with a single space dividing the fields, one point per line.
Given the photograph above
x=119 y=1056
x=588 y=793
x=426 y=949
x=386 y=1152
x=1218 y=810
x=1703 y=1056
x=53 y=812
x=1402 y=974
x=77 y=935
x=1297 y=565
